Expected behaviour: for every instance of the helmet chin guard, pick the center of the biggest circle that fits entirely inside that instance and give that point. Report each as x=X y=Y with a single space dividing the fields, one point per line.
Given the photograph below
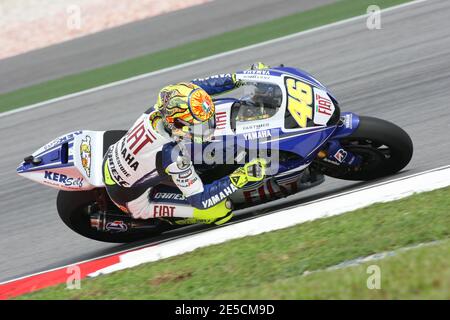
x=200 y=132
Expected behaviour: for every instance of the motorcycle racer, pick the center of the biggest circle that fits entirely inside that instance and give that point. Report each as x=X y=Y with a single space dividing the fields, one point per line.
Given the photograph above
x=154 y=148
x=281 y=114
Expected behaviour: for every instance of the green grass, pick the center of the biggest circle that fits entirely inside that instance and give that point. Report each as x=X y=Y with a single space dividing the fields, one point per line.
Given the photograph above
x=271 y=265
x=421 y=273
x=191 y=51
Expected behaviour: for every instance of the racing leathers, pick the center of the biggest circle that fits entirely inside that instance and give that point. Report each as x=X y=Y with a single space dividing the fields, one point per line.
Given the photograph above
x=136 y=167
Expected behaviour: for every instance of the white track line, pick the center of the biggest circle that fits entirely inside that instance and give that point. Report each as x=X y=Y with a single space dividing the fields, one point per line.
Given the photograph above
x=191 y=63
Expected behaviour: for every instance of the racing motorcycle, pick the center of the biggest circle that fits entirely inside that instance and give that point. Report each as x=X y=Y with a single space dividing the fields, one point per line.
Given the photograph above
x=283 y=114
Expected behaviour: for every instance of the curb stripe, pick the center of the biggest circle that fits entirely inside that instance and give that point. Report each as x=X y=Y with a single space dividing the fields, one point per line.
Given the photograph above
x=37 y=282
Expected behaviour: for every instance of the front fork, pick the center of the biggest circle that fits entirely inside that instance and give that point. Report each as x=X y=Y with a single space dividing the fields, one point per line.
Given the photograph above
x=335 y=153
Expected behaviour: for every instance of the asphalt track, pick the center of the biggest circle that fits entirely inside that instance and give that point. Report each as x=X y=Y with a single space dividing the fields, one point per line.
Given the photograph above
x=400 y=73
x=142 y=37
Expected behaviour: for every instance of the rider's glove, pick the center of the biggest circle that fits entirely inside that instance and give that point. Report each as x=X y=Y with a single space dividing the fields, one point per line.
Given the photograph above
x=255 y=66
x=253 y=171
x=237 y=83
x=259 y=65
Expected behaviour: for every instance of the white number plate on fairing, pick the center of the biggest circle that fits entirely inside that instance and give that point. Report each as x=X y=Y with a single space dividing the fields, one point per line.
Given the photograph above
x=323 y=107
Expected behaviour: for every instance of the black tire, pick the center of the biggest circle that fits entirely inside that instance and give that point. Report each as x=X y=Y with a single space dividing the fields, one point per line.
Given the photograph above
x=385 y=148
x=72 y=208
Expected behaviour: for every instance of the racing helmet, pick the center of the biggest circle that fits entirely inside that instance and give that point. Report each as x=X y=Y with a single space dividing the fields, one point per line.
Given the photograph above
x=187 y=111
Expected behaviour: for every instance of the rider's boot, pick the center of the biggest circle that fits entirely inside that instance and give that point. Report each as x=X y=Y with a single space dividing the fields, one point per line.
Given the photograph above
x=218 y=214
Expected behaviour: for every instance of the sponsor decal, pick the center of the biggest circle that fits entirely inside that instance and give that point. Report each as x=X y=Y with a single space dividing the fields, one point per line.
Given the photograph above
x=218 y=76
x=340 y=155
x=63 y=179
x=85 y=154
x=128 y=157
x=160 y=211
x=185 y=174
x=270 y=190
x=118 y=160
x=347 y=121
x=124 y=153
x=258 y=72
x=256 y=126
x=185 y=183
x=253 y=77
x=117 y=226
x=61 y=140
x=114 y=173
x=169 y=196
x=219 y=197
x=260 y=194
x=221 y=120
x=324 y=105
x=235 y=180
x=257 y=135
x=138 y=138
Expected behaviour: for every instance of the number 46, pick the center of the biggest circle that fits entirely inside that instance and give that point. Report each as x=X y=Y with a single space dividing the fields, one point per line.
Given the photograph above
x=300 y=99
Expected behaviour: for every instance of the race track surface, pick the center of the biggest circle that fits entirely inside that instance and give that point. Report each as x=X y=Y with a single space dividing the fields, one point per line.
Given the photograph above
x=400 y=73
x=142 y=37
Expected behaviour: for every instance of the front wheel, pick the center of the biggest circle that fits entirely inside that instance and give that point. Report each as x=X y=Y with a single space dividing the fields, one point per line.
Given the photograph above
x=384 y=147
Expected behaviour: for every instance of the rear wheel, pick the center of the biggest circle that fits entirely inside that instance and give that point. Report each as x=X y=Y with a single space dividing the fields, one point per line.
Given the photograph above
x=385 y=148
x=73 y=208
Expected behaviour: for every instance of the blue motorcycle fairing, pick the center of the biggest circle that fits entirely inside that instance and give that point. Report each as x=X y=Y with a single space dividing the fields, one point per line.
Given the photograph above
x=303 y=75
x=297 y=73
x=305 y=143
x=301 y=143
x=55 y=157
x=350 y=123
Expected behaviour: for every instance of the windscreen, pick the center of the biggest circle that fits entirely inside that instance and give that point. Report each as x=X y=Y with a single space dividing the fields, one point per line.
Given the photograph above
x=258 y=101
